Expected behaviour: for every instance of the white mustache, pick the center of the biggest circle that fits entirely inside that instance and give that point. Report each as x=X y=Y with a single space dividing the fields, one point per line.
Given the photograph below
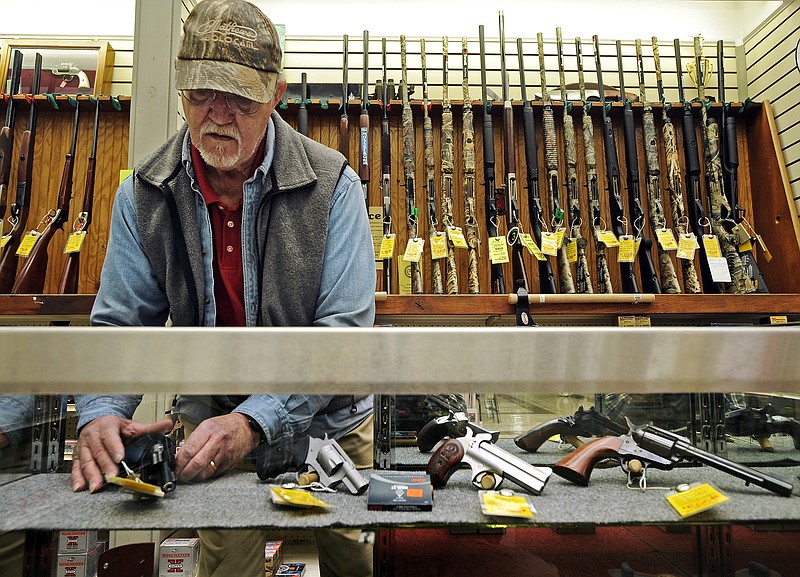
x=228 y=130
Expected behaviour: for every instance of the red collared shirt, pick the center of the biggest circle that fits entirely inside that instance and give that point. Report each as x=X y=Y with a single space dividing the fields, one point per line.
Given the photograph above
x=226 y=229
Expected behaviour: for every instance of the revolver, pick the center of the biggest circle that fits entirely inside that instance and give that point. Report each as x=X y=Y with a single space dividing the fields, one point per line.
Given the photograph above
x=152 y=457
x=452 y=425
x=489 y=464
x=323 y=457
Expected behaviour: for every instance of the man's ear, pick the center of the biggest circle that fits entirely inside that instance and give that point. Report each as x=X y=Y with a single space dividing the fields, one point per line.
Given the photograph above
x=280 y=88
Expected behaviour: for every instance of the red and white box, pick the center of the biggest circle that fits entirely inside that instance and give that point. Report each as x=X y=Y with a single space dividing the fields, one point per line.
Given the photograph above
x=179 y=557
x=78 y=565
x=74 y=542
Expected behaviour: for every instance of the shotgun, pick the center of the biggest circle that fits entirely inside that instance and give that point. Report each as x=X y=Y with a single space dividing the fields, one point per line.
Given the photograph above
x=18 y=214
x=470 y=204
x=437 y=286
x=363 y=165
x=7 y=135
x=344 y=123
x=31 y=277
x=451 y=273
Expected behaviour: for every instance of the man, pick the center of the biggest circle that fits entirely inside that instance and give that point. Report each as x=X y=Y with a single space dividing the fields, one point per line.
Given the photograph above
x=237 y=220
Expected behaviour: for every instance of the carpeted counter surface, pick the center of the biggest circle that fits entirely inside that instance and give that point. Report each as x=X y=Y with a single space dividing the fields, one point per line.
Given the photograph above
x=45 y=502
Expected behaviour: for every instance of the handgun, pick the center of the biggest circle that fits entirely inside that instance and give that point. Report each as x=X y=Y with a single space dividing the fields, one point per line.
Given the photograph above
x=452 y=425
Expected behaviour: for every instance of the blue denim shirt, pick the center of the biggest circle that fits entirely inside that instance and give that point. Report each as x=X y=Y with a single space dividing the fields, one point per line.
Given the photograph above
x=130 y=296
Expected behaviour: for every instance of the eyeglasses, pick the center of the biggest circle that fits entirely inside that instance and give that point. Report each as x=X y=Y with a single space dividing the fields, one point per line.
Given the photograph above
x=237 y=104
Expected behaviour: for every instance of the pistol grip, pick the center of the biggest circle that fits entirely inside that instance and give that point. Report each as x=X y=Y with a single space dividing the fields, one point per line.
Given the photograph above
x=444 y=462
x=577 y=466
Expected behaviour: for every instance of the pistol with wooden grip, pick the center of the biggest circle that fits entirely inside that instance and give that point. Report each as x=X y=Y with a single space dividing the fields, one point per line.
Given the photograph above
x=654 y=447
x=489 y=464
x=584 y=423
x=455 y=424
x=325 y=457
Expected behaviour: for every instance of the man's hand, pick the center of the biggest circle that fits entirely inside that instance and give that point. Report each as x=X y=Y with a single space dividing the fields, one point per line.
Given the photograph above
x=216 y=445
x=101 y=446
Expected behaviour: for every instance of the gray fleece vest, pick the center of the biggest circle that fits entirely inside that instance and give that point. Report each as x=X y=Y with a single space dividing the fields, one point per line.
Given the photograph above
x=292 y=225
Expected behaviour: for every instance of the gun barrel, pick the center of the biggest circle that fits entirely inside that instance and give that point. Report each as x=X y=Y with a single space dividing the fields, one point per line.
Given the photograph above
x=483 y=456
x=668 y=444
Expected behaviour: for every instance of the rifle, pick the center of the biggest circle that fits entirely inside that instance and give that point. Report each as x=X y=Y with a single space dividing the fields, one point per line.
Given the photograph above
x=7 y=135
x=454 y=424
x=363 y=167
x=386 y=167
x=447 y=176
x=69 y=277
x=658 y=448
x=590 y=160
x=551 y=164
x=302 y=113
x=669 y=279
x=18 y=214
x=344 y=123
x=547 y=283
x=719 y=209
x=646 y=267
x=629 y=284
x=30 y=279
x=489 y=463
x=730 y=177
x=584 y=283
x=495 y=200
x=409 y=167
x=510 y=162
x=691 y=156
x=750 y=422
x=691 y=284
x=468 y=152
x=430 y=177
x=583 y=423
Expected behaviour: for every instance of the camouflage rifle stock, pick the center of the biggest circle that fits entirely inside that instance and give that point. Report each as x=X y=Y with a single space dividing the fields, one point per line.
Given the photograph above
x=409 y=167
x=691 y=284
x=669 y=280
x=590 y=160
x=718 y=203
x=468 y=153
x=437 y=287
x=566 y=282
x=582 y=276
x=447 y=175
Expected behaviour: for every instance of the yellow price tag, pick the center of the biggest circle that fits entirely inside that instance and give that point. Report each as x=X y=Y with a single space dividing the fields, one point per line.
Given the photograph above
x=572 y=250
x=456 y=236
x=413 y=251
x=686 y=246
x=666 y=239
x=700 y=497
x=498 y=251
x=387 y=246
x=75 y=242
x=438 y=245
x=711 y=245
x=296 y=498
x=4 y=240
x=627 y=249
x=530 y=244
x=26 y=245
x=495 y=504
x=608 y=238
x=560 y=237
x=550 y=243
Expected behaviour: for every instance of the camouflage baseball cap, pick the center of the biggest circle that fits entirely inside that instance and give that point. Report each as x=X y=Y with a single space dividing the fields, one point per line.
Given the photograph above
x=230 y=46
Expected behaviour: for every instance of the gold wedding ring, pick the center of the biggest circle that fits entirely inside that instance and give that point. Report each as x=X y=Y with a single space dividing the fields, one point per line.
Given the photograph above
x=213 y=465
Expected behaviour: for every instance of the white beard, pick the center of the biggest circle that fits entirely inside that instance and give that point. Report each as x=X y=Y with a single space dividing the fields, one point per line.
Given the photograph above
x=215 y=155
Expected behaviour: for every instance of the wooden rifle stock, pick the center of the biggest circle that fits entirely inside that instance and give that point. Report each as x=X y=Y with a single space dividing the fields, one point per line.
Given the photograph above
x=69 y=276
x=31 y=277
x=19 y=210
x=7 y=135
